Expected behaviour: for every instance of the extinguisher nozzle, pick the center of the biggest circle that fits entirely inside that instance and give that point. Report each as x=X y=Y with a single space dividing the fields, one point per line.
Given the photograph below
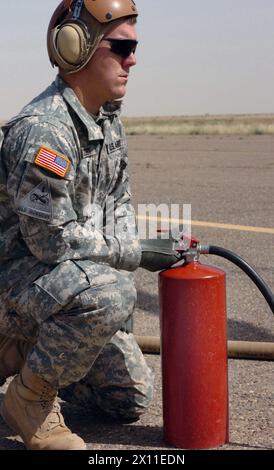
x=203 y=249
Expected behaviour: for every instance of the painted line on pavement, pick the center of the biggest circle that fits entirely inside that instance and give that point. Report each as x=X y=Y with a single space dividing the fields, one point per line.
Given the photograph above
x=199 y=223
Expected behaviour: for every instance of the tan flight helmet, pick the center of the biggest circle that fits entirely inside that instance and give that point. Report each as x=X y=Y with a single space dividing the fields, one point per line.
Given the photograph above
x=77 y=27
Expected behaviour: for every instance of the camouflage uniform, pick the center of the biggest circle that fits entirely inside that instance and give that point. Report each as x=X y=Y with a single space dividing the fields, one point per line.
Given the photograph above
x=66 y=280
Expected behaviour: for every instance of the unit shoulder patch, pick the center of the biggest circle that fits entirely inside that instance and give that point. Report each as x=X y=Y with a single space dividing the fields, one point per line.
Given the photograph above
x=52 y=161
x=37 y=203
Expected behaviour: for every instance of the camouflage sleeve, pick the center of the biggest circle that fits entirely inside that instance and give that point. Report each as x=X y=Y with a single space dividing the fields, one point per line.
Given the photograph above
x=125 y=221
x=44 y=198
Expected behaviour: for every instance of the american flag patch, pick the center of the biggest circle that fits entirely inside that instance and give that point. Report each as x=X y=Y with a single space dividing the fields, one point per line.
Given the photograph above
x=52 y=161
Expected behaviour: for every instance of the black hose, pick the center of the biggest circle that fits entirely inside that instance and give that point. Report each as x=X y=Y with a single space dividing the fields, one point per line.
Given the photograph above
x=241 y=263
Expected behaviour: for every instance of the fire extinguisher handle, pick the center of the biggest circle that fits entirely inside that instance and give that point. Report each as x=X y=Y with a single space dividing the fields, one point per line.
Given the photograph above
x=249 y=270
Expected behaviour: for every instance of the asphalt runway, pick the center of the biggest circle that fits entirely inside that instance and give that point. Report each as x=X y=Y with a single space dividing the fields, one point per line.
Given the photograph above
x=227 y=180
x=229 y=183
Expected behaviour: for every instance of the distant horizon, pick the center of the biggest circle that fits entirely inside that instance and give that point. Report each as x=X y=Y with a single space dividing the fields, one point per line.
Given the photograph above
x=200 y=115
x=225 y=115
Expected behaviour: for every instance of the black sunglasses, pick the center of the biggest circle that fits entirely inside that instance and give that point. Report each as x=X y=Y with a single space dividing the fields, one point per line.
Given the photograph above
x=122 y=47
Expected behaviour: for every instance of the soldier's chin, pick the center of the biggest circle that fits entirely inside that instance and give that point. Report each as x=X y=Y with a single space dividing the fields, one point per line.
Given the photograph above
x=120 y=92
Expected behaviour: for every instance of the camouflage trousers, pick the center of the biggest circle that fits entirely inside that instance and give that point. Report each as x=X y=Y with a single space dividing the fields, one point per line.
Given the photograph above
x=73 y=315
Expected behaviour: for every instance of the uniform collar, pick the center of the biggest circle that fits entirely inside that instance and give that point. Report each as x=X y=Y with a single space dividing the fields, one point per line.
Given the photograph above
x=94 y=131
x=108 y=111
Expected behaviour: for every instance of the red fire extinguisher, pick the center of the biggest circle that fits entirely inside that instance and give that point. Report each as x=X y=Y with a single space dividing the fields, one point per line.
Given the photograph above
x=194 y=355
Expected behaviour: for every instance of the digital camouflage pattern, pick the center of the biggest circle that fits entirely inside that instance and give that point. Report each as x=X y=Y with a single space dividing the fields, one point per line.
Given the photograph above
x=119 y=383
x=97 y=175
x=68 y=243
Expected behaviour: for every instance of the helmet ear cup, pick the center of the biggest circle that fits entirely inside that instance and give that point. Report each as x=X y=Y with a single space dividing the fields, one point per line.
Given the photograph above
x=69 y=45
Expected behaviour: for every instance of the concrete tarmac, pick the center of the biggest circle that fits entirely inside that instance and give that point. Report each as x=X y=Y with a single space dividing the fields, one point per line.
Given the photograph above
x=227 y=180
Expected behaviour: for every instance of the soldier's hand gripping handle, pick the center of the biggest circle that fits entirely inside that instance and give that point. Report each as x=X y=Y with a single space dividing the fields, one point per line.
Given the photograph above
x=159 y=254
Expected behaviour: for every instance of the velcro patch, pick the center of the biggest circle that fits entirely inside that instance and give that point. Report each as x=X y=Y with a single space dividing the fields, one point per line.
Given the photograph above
x=113 y=146
x=52 y=161
x=37 y=203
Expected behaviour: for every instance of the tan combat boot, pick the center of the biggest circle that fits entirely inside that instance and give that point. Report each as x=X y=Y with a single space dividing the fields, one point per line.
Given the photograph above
x=13 y=353
x=31 y=409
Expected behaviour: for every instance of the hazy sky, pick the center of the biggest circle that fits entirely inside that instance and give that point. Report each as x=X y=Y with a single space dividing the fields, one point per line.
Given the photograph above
x=194 y=57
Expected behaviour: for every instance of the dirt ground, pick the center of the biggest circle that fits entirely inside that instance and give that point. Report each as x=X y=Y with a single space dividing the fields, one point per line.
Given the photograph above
x=227 y=180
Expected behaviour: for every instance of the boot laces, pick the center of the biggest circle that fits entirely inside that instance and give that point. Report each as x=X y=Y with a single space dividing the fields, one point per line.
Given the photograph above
x=51 y=408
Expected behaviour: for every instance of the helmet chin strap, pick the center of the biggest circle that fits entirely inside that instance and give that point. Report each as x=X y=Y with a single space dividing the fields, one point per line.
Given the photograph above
x=77 y=9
